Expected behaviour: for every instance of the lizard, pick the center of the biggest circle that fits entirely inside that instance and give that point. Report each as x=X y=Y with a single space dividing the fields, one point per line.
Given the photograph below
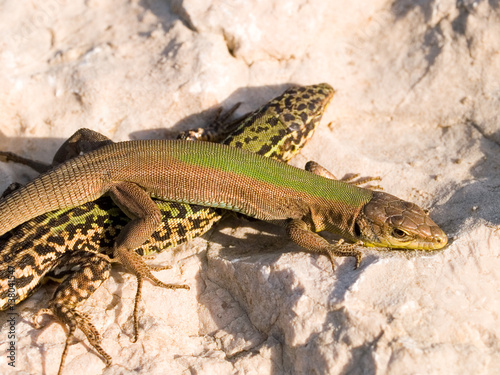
x=55 y=243
x=219 y=176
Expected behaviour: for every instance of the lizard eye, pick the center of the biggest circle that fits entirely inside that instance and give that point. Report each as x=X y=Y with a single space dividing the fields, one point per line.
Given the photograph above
x=398 y=233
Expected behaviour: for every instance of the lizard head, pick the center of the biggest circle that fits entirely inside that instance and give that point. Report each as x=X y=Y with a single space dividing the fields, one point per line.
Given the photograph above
x=388 y=221
x=301 y=108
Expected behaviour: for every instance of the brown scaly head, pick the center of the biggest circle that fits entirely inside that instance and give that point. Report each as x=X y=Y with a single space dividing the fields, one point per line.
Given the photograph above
x=388 y=221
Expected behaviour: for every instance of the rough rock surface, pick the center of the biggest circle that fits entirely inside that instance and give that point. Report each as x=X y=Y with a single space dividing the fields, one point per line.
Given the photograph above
x=418 y=99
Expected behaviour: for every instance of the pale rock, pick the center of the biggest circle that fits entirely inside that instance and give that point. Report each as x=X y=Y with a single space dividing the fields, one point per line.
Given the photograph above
x=417 y=103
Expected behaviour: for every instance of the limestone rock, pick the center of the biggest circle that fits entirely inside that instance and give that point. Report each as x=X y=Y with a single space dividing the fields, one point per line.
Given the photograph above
x=417 y=103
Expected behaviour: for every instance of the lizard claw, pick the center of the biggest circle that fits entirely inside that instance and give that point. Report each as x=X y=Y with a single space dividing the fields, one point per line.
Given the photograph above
x=345 y=250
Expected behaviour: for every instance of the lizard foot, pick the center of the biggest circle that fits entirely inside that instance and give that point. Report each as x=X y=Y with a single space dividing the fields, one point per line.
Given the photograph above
x=74 y=320
x=135 y=264
x=344 y=250
x=74 y=290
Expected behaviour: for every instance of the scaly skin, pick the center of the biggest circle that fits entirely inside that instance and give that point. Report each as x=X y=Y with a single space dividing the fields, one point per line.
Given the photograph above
x=216 y=175
x=54 y=243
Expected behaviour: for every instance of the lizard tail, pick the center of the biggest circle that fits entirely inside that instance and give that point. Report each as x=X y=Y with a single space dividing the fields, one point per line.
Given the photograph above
x=51 y=191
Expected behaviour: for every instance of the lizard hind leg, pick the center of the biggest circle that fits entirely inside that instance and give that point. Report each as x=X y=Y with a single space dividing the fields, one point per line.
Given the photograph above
x=146 y=217
x=73 y=291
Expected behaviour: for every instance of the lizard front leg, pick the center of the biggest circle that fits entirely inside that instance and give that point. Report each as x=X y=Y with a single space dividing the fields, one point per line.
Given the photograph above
x=352 y=178
x=300 y=233
x=218 y=130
